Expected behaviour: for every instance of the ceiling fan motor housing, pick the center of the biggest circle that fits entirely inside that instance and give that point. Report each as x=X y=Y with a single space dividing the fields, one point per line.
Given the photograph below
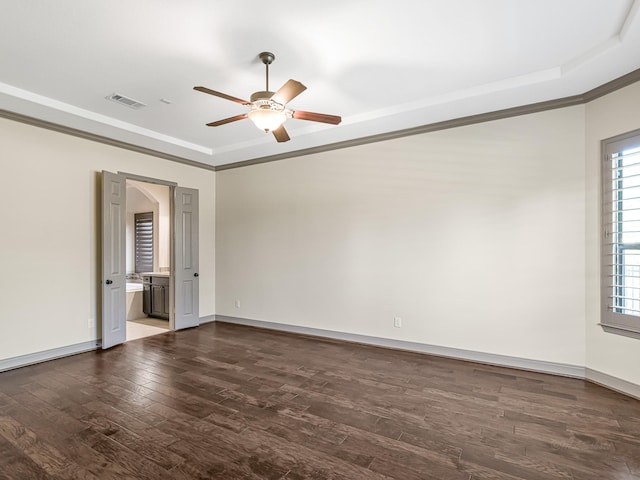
x=262 y=101
x=264 y=95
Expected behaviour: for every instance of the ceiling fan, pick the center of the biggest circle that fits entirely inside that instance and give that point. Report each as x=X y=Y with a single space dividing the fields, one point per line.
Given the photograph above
x=268 y=109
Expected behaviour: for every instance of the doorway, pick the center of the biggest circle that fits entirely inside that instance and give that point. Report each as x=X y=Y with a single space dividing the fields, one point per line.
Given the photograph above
x=178 y=288
x=148 y=258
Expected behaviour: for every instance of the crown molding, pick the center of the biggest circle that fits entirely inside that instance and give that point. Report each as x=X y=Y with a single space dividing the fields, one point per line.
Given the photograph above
x=586 y=97
x=430 y=127
x=610 y=87
x=589 y=96
x=36 y=122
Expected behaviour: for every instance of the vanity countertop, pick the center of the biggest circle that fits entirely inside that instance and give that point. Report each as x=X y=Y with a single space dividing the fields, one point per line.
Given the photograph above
x=156 y=274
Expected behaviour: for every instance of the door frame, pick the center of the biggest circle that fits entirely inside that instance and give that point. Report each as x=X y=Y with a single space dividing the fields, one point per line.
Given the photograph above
x=172 y=186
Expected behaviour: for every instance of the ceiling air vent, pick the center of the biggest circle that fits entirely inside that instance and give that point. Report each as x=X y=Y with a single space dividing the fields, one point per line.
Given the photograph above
x=129 y=102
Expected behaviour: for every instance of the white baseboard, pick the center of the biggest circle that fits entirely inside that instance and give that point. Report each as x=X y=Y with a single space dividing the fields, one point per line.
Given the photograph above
x=207 y=319
x=575 y=371
x=566 y=370
x=613 y=383
x=38 y=357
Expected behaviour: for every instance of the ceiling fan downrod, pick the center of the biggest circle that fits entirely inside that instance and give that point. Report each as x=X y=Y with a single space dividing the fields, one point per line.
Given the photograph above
x=267 y=58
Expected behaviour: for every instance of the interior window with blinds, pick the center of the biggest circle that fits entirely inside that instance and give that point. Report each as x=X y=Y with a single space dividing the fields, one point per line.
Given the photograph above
x=144 y=242
x=621 y=235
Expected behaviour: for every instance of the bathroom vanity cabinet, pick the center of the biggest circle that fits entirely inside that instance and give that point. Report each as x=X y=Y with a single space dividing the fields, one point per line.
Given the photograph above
x=156 y=296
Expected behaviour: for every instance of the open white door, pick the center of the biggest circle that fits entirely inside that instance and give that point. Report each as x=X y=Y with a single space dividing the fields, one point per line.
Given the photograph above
x=187 y=283
x=114 y=210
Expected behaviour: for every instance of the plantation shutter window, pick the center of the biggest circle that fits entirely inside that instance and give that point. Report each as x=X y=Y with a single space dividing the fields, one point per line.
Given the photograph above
x=621 y=235
x=144 y=242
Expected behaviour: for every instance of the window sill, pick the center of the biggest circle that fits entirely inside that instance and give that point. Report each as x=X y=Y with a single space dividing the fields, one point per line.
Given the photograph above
x=624 y=331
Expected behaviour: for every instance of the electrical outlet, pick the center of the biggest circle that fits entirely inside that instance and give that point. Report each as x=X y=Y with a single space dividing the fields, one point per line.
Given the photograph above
x=90 y=323
x=397 y=322
x=237 y=303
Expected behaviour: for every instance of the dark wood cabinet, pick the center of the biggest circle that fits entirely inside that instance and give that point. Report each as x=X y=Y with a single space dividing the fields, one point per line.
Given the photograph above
x=156 y=296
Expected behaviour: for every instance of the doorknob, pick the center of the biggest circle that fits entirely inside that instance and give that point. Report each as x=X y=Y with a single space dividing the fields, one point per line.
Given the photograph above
x=108 y=282
x=196 y=275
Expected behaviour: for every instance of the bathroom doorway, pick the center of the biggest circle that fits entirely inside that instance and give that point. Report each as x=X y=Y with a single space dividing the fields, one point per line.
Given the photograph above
x=148 y=258
x=182 y=301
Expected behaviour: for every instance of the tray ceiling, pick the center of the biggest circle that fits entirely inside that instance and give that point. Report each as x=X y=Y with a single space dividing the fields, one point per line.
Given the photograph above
x=383 y=66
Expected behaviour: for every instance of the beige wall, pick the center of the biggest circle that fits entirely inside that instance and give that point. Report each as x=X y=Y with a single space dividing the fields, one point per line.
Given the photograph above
x=145 y=197
x=607 y=117
x=473 y=236
x=49 y=204
x=137 y=202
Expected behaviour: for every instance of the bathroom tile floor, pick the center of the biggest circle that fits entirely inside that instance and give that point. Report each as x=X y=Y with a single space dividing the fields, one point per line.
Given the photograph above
x=145 y=327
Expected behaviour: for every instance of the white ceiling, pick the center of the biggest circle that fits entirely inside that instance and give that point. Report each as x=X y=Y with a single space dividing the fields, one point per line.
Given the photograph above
x=382 y=65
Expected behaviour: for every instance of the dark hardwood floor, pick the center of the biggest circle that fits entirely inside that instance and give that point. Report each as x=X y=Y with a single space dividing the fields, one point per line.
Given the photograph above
x=231 y=402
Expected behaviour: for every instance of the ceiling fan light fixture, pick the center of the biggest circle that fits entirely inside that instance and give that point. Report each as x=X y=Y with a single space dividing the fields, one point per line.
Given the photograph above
x=267 y=119
x=267 y=109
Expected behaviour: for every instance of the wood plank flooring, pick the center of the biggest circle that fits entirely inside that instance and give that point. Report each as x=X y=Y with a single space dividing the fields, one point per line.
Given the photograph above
x=231 y=402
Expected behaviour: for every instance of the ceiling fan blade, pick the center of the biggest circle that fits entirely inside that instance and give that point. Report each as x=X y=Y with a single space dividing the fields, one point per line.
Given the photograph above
x=288 y=92
x=227 y=120
x=281 y=134
x=221 y=95
x=317 y=117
